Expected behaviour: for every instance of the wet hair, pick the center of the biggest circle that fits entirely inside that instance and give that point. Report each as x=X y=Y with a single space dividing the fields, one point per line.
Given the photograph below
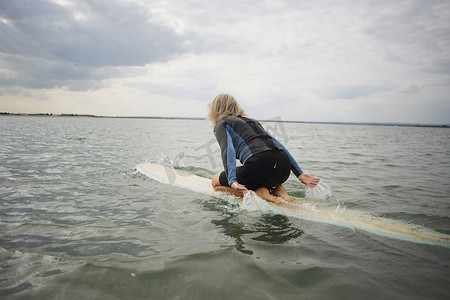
x=221 y=106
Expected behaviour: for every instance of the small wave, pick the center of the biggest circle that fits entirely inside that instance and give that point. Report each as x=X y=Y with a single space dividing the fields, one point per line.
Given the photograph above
x=79 y=139
x=24 y=271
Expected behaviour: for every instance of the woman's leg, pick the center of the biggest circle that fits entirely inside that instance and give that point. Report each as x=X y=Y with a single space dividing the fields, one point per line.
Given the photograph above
x=215 y=182
x=264 y=193
x=280 y=191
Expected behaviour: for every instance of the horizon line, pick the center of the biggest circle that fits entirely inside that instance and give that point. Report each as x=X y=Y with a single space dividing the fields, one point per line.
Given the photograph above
x=441 y=125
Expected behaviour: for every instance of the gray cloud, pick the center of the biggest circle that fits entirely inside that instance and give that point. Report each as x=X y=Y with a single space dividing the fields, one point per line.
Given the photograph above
x=411 y=88
x=353 y=92
x=417 y=32
x=32 y=72
x=330 y=60
x=49 y=44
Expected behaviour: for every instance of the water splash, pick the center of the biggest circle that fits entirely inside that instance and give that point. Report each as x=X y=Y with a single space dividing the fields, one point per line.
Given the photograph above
x=252 y=203
x=177 y=162
x=309 y=206
x=340 y=208
x=324 y=193
x=321 y=191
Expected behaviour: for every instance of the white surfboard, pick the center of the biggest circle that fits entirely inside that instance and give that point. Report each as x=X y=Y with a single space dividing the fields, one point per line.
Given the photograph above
x=302 y=208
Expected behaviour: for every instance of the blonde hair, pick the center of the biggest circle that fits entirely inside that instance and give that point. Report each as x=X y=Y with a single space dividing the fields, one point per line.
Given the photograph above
x=221 y=106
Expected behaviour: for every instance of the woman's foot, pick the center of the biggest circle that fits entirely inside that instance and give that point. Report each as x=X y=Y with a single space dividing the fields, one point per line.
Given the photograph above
x=264 y=193
x=280 y=191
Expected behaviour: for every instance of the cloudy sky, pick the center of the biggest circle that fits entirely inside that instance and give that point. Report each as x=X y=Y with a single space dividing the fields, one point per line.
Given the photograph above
x=345 y=61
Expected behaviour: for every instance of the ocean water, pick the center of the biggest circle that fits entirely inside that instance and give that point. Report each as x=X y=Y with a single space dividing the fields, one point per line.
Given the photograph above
x=77 y=221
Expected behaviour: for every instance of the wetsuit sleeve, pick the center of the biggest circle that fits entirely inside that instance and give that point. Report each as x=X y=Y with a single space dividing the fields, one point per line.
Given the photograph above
x=228 y=152
x=294 y=166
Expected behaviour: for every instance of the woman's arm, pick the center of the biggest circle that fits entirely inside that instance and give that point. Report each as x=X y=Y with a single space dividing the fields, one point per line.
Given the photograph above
x=303 y=177
x=294 y=165
x=228 y=153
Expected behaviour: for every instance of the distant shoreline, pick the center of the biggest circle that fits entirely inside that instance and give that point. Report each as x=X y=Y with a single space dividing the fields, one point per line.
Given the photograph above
x=188 y=118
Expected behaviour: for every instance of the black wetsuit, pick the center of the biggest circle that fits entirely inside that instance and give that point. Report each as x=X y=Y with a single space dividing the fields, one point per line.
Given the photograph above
x=266 y=162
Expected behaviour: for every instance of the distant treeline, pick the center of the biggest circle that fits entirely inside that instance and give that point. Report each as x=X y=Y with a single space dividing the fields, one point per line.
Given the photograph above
x=46 y=115
x=186 y=118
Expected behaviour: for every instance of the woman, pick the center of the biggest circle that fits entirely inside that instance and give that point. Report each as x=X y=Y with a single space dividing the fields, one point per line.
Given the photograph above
x=266 y=163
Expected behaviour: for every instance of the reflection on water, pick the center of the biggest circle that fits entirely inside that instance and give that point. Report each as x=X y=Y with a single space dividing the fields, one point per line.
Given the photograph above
x=276 y=229
x=241 y=225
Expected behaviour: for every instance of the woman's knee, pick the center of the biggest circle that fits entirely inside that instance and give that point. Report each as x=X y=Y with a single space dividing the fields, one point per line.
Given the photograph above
x=215 y=180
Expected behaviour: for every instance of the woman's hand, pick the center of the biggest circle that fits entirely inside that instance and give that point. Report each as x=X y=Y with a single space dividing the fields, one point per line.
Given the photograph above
x=308 y=180
x=239 y=189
